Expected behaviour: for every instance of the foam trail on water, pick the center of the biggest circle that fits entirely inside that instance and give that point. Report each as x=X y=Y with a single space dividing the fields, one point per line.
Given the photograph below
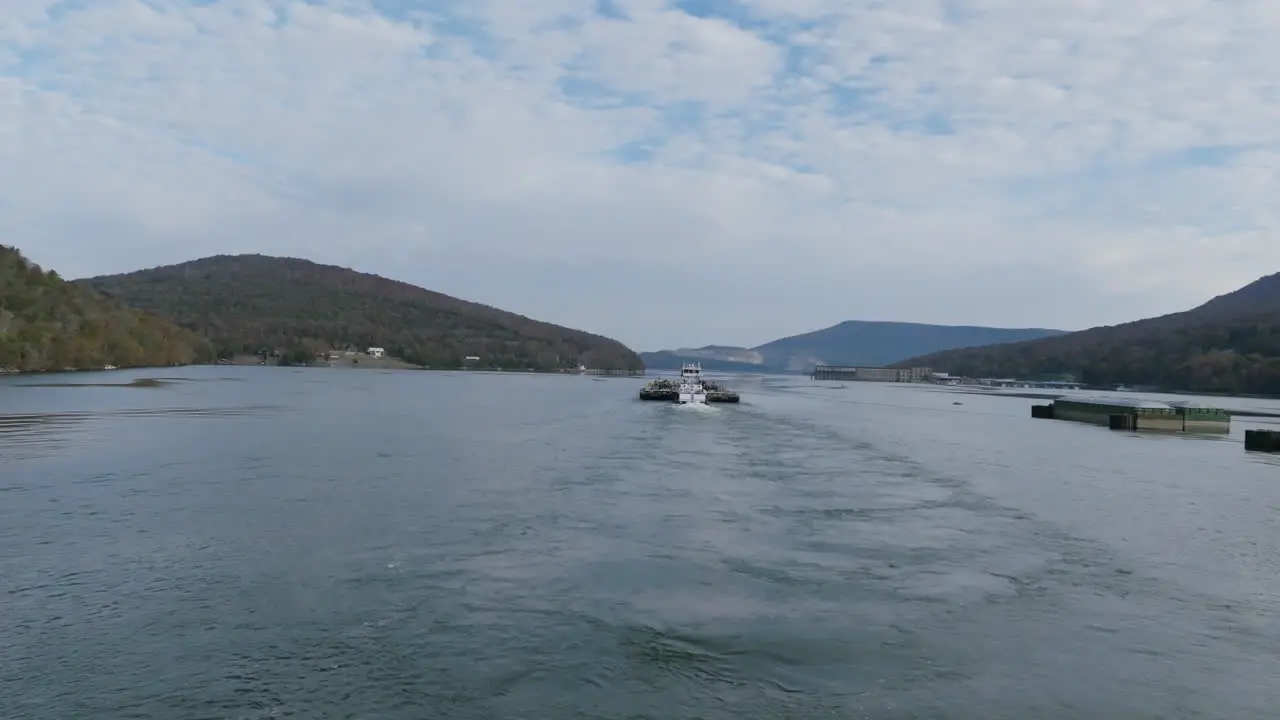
x=704 y=407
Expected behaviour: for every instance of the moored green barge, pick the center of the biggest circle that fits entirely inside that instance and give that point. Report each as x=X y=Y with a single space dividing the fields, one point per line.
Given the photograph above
x=1120 y=413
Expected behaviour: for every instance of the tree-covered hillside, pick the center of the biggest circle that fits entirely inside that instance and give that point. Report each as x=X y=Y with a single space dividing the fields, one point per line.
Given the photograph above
x=47 y=323
x=1230 y=344
x=246 y=303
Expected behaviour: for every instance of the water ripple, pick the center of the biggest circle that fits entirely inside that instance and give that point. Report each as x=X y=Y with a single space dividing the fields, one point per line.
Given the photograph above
x=409 y=545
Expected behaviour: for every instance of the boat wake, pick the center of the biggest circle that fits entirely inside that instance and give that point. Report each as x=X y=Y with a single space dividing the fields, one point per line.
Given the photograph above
x=697 y=407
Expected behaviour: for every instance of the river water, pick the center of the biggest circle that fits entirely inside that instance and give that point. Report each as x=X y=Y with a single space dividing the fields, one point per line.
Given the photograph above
x=251 y=543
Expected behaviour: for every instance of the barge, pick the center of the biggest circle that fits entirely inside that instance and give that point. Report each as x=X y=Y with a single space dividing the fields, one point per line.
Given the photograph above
x=690 y=388
x=1120 y=413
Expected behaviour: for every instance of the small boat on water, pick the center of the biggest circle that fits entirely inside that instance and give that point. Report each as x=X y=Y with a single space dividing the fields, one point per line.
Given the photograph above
x=691 y=390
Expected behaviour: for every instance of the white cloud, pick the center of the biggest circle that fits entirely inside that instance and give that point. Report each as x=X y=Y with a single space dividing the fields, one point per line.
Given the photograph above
x=672 y=56
x=779 y=166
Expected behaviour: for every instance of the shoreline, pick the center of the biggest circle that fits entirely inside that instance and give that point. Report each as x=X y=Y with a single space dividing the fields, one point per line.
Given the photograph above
x=366 y=363
x=11 y=372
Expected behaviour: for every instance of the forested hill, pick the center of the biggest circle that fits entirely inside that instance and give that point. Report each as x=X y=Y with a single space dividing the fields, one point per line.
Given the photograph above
x=245 y=303
x=1230 y=344
x=47 y=323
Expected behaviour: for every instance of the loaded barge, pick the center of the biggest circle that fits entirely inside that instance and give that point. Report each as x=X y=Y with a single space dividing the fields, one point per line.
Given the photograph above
x=690 y=388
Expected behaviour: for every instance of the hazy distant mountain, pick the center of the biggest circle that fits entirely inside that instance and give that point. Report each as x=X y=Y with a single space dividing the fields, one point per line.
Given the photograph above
x=1229 y=344
x=726 y=353
x=669 y=360
x=853 y=342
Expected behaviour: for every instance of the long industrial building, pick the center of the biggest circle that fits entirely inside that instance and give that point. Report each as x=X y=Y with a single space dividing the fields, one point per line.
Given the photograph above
x=871 y=374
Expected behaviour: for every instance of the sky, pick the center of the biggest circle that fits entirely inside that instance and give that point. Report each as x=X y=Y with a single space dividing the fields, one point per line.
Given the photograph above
x=668 y=173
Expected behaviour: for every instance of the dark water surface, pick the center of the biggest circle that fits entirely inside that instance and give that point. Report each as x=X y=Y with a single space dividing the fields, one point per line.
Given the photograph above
x=272 y=543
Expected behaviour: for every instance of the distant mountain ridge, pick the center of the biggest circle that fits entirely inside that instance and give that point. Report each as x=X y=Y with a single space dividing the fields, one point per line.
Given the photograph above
x=1229 y=344
x=669 y=360
x=723 y=353
x=244 y=303
x=853 y=342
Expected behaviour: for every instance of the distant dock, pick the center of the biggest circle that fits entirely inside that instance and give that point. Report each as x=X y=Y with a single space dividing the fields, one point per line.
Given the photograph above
x=1136 y=414
x=850 y=373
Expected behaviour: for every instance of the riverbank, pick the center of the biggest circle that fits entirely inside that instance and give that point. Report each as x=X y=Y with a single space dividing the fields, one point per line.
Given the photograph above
x=368 y=362
x=109 y=368
x=341 y=361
